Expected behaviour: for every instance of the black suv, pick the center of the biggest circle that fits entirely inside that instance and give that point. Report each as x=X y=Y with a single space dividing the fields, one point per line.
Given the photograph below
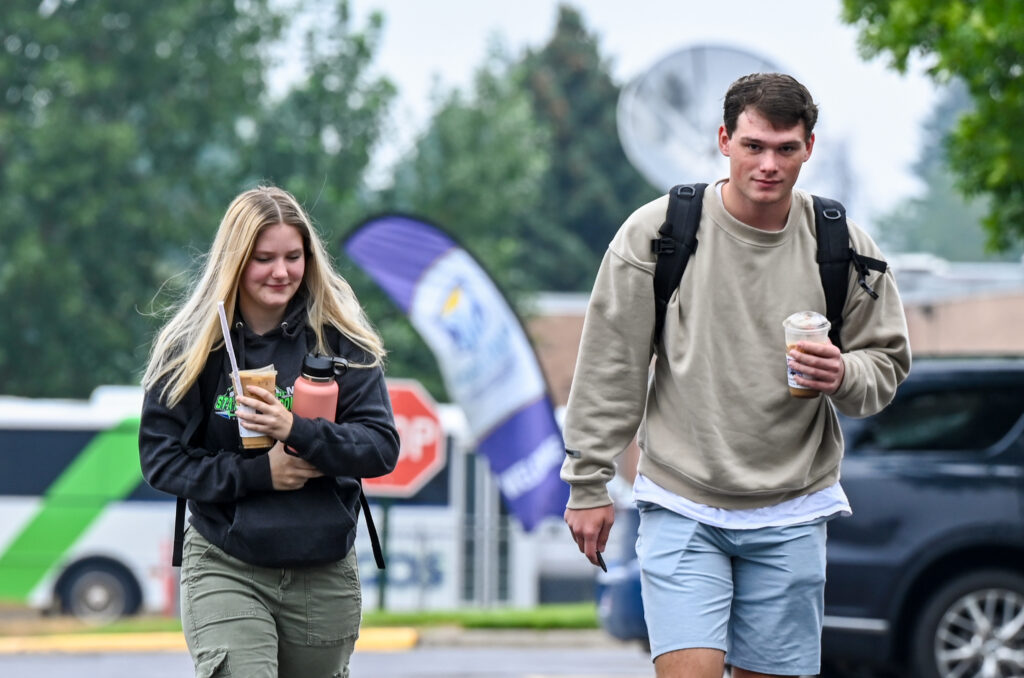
x=926 y=578
x=928 y=572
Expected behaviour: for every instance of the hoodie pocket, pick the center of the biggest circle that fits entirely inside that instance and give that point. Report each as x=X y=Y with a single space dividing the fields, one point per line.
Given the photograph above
x=288 y=528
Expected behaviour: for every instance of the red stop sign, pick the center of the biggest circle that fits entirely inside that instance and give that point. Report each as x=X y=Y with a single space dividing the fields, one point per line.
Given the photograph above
x=423 y=452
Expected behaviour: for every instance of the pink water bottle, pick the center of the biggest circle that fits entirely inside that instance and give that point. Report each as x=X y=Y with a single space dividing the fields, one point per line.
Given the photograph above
x=315 y=393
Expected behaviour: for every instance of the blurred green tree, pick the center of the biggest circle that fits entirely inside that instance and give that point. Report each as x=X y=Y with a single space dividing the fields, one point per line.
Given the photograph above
x=126 y=130
x=317 y=139
x=940 y=221
x=525 y=170
x=980 y=42
x=591 y=187
x=113 y=116
x=478 y=171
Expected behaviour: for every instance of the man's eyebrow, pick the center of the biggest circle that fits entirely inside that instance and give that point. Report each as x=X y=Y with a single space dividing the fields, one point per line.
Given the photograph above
x=762 y=142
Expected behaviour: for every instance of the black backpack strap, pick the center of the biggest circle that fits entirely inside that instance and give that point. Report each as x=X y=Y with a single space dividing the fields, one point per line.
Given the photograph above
x=179 y=506
x=677 y=243
x=833 y=260
x=378 y=553
x=179 y=531
x=207 y=383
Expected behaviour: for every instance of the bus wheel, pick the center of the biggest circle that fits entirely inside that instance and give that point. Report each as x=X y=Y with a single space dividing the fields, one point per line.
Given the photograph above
x=98 y=591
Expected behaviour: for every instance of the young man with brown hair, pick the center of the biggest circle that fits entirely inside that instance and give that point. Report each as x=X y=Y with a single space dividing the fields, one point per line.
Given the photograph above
x=737 y=478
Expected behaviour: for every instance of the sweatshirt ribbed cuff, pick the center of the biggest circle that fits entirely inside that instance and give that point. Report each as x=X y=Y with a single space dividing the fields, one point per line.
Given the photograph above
x=588 y=496
x=302 y=434
x=842 y=398
x=256 y=474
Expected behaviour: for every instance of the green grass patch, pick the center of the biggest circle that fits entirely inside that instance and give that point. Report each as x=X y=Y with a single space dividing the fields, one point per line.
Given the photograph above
x=563 y=616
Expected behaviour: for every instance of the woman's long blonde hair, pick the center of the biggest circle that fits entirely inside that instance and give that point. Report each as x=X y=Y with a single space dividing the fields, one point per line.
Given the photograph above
x=183 y=346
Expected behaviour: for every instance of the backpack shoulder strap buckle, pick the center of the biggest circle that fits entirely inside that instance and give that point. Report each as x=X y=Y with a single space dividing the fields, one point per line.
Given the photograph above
x=863 y=264
x=677 y=242
x=663 y=245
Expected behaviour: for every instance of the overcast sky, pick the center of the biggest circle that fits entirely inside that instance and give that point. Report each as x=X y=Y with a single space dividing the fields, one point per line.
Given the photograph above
x=877 y=111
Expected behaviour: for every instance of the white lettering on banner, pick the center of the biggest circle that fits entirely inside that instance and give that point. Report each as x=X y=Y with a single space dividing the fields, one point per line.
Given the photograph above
x=485 y=357
x=416 y=434
x=494 y=363
x=530 y=471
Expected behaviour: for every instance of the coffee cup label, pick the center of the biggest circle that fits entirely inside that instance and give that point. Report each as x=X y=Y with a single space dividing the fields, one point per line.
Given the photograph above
x=792 y=374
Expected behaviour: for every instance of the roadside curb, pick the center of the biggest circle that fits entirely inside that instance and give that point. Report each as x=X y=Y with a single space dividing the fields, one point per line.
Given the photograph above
x=373 y=639
x=370 y=640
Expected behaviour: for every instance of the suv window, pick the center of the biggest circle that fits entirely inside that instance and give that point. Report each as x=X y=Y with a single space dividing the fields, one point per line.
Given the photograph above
x=950 y=419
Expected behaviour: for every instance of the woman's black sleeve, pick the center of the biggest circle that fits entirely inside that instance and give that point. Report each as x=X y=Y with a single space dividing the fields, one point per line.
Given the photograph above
x=176 y=466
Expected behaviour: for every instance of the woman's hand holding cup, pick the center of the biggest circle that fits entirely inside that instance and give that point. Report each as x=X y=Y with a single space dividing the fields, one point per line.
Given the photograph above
x=268 y=415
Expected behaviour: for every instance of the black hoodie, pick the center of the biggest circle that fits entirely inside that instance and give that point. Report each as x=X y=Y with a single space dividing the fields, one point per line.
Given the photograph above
x=231 y=497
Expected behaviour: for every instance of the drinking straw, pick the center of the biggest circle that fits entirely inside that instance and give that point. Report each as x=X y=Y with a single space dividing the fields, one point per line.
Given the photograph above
x=230 y=349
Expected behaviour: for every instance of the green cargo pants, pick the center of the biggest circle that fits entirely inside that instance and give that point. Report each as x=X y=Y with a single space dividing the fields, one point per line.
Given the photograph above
x=247 y=621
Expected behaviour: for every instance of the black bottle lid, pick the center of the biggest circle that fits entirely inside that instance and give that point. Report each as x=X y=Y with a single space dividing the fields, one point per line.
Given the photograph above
x=318 y=367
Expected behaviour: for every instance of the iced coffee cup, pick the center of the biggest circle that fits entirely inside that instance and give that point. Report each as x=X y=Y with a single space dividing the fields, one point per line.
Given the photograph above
x=264 y=378
x=803 y=326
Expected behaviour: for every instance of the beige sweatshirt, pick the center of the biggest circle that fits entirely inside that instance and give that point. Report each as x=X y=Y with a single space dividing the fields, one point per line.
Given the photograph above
x=716 y=423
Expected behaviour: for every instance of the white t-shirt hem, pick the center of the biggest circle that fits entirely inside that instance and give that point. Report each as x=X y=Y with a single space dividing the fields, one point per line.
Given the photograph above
x=828 y=503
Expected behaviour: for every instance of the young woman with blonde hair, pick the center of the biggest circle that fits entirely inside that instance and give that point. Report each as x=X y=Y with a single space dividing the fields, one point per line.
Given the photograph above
x=269 y=578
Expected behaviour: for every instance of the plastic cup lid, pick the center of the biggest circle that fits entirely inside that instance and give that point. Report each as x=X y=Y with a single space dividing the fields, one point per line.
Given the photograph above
x=807 y=321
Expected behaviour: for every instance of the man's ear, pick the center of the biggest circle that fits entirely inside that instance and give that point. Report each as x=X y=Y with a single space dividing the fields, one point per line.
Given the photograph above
x=723 y=141
x=810 y=147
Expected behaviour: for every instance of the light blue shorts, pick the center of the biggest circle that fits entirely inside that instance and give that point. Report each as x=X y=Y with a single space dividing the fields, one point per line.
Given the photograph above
x=757 y=595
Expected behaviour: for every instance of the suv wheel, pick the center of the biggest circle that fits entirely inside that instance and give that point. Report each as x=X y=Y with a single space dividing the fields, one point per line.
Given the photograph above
x=972 y=626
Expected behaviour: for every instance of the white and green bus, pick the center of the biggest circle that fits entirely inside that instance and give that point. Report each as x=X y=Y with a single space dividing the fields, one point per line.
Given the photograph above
x=80 y=530
x=82 y=533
